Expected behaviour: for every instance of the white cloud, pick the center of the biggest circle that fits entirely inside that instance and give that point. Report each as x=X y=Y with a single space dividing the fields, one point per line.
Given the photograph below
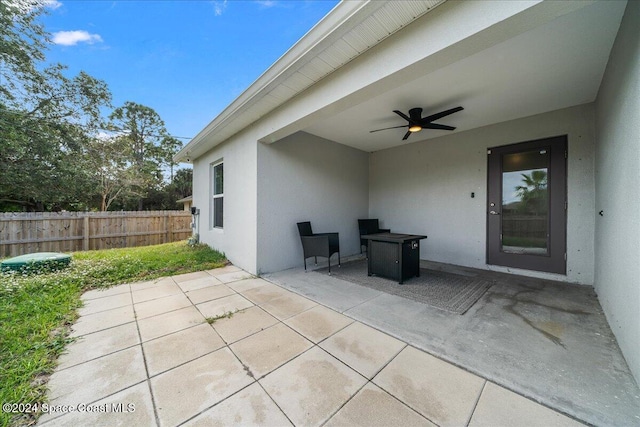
x=266 y=3
x=52 y=4
x=219 y=7
x=72 y=38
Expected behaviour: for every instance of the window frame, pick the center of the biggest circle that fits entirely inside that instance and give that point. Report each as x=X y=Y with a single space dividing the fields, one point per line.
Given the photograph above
x=216 y=196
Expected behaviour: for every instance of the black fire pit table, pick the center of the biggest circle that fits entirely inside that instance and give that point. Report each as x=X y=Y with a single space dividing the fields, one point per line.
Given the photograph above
x=393 y=255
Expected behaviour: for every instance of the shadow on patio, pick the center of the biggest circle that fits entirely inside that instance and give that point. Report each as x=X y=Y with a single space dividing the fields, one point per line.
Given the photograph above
x=546 y=340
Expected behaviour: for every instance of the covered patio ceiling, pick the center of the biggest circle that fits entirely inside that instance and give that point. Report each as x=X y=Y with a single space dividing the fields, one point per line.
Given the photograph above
x=556 y=65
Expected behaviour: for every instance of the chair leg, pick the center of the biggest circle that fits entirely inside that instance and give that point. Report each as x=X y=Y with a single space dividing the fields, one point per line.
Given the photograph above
x=305 y=264
x=339 y=260
x=316 y=260
x=329 y=262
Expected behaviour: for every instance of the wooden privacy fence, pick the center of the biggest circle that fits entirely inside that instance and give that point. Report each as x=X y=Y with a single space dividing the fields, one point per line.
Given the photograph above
x=27 y=232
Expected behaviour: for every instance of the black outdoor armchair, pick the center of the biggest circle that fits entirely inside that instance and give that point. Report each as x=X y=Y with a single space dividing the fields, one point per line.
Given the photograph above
x=318 y=244
x=369 y=226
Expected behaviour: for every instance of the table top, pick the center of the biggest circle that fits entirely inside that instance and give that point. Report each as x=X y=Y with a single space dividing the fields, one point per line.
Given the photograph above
x=393 y=237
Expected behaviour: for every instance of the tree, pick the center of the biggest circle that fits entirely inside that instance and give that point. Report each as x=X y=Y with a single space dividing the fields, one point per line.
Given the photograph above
x=112 y=178
x=533 y=193
x=148 y=146
x=22 y=44
x=45 y=117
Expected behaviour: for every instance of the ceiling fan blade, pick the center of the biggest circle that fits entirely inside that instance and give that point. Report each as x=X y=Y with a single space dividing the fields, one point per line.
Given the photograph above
x=393 y=127
x=403 y=115
x=406 y=135
x=437 y=126
x=440 y=115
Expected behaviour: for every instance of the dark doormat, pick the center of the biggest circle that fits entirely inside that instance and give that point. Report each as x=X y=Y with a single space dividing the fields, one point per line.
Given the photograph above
x=447 y=291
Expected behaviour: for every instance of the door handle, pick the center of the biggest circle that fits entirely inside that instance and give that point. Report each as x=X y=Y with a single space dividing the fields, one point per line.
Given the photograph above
x=494 y=213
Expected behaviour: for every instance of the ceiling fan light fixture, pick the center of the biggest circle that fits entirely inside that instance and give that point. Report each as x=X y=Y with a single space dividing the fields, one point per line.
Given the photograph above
x=415 y=128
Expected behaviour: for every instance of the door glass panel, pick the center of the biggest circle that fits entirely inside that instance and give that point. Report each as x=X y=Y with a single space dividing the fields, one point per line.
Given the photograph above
x=525 y=203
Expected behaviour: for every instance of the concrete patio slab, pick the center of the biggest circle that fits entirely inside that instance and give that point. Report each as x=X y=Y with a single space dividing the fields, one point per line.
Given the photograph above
x=244 y=323
x=187 y=277
x=103 y=320
x=265 y=293
x=209 y=293
x=250 y=407
x=500 y=407
x=159 y=291
x=138 y=286
x=287 y=306
x=106 y=303
x=189 y=389
x=318 y=323
x=157 y=326
x=189 y=370
x=267 y=350
x=545 y=340
x=96 y=379
x=161 y=305
x=312 y=387
x=337 y=294
x=222 y=270
x=198 y=283
x=363 y=348
x=443 y=393
x=107 y=292
x=180 y=347
x=100 y=343
x=373 y=407
x=129 y=407
x=246 y=284
x=224 y=305
x=233 y=276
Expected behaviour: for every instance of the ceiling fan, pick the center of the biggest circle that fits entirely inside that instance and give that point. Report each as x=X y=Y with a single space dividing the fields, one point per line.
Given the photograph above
x=417 y=122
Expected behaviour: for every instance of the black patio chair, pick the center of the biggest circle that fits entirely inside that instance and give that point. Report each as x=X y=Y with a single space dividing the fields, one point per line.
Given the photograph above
x=318 y=244
x=369 y=226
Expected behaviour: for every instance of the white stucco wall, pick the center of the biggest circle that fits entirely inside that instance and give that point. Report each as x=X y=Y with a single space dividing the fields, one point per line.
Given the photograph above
x=306 y=178
x=617 y=232
x=238 y=237
x=425 y=188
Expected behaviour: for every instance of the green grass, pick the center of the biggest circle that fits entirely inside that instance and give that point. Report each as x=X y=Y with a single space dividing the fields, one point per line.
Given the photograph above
x=36 y=310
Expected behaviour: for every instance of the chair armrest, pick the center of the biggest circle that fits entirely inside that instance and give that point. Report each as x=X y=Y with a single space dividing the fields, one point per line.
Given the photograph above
x=384 y=230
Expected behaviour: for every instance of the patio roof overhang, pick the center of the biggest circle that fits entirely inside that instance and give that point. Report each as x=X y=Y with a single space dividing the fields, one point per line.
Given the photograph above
x=499 y=60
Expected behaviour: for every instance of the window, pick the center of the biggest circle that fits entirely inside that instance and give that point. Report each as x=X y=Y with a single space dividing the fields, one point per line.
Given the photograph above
x=217 y=195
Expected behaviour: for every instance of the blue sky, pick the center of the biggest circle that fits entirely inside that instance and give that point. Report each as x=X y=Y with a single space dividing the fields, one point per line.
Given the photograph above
x=185 y=59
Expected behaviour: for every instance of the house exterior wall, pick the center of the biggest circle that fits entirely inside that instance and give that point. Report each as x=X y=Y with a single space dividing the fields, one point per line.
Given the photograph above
x=425 y=188
x=307 y=178
x=238 y=237
x=617 y=231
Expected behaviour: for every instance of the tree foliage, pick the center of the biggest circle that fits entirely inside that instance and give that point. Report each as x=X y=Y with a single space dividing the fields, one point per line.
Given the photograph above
x=533 y=192
x=53 y=154
x=146 y=143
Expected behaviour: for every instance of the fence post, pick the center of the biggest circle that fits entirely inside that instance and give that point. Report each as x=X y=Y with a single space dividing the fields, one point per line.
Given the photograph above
x=85 y=232
x=170 y=228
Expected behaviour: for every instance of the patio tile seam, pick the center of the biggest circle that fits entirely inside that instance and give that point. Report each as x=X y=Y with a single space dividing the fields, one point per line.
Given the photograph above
x=58 y=369
x=102 y=311
x=484 y=386
x=101 y=330
x=171 y=310
x=146 y=367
